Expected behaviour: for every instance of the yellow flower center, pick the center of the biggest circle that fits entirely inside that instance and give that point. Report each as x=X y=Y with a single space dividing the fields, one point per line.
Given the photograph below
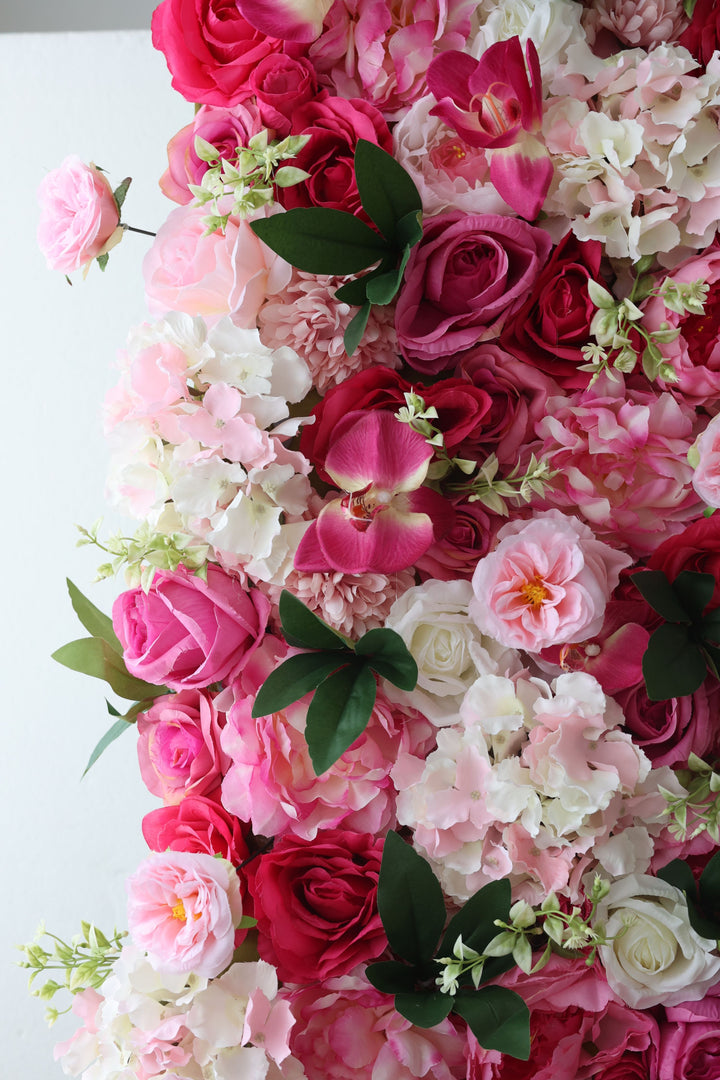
x=178 y=912
x=534 y=592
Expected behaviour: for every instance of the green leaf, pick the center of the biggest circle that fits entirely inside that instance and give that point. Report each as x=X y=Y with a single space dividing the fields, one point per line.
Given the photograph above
x=102 y=260
x=387 y=192
x=383 y=288
x=321 y=241
x=356 y=328
x=694 y=590
x=304 y=629
x=353 y=292
x=712 y=658
x=391 y=976
x=673 y=665
x=498 y=1018
x=409 y=229
x=95 y=621
x=709 y=625
x=476 y=918
x=702 y=903
x=121 y=191
x=709 y=886
x=679 y=874
x=424 y=1010
x=113 y=732
x=660 y=595
x=338 y=713
x=388 y=656
x=410 y=901
x=295 y=677
x=93 y=656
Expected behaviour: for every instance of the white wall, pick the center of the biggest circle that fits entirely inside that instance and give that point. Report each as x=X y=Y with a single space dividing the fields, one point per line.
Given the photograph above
x=46 y=15
x=67 y=845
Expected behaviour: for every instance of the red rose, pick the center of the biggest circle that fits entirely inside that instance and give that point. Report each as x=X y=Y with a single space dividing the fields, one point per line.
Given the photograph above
x=199 y=825
x=281 y=85
x=456 y=554
x=334 y=125
x=697 y=548
x=210 y=49
x=316 y=904
x=702 y=36
x=553 y=324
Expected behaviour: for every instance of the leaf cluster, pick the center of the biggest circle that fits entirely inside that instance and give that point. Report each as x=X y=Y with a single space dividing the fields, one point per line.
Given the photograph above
x=412 y=909
x=682 y=651
x=342 y=674
x=703 y=896
x=319 y=240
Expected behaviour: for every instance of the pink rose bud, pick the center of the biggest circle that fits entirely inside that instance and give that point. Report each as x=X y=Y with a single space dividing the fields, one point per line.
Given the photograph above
x=79 y=215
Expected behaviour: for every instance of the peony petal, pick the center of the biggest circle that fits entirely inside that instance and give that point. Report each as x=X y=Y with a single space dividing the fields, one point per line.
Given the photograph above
x=391 y=542
x=521 y=174
x=289 y=20
x=380 y=451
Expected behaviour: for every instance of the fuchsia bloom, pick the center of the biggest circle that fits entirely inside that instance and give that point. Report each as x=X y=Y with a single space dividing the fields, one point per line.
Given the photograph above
x=383 y=524
x=493 y=103
x=290 y=20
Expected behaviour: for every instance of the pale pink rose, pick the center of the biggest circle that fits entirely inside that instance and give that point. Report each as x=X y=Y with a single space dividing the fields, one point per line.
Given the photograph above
x=706 y=478
x=612 y=24
x=179 y=746
x=347 y=1030
x=621 y=461
x=546 y=583
x=183 y=909
x=79 y=215
x=223 y=273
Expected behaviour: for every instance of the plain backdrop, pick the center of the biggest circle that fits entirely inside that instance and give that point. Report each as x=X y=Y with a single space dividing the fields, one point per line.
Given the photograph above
x=67 y=844
x=44 y=15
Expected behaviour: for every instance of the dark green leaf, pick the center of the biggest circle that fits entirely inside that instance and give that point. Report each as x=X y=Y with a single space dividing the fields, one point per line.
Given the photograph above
x=93 y=656
x=304 y=629
x=702 y=903
x=121 y=191
x=389 y=656
x=95 y=621
x=295 y=677
x=476 y=918
x=710 y=625
x=353 y=292
x=102 y=260
x=409 y=229
x=338 y=713
x=410 y=901
x=383 y=288
x=660 y=595
x=673 y=665
x=424 y=1010
x=709 y=886
x=694 y=591
x=110 y=736
x=391 y=977
x=356 y=328
x=679 y=874
x=712 y=658
x=321 y=241
x=386 y=191
x=498 y=1018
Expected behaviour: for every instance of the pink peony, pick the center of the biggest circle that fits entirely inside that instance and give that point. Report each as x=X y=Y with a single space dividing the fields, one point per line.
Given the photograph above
x=185 y=632
x=546 y=583
x=183 y=910
x=79 y=217
x=226 y=129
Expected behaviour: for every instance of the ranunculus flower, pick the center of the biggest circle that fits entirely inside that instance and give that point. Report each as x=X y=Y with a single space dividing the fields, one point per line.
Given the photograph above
x=546 y=583
x=179 y=746
x=79 y=217
x=196 y=824
x=316 y=904
x=226 y=129
x=466 y=277
x=183 y=910
x=210 y=48
x=654 y=957
x=185 y=632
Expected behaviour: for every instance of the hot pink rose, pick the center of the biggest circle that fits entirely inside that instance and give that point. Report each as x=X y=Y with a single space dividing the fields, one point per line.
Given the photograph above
x=316 y=904
x=546 y=583
x=281 y=84
x=467 y=275
x=226 y=129
x=210 y=48
x=196 y=824
x=690 y=1040
x=179 y=746
x=79 y=215
x=183 y=910
x=187 y=633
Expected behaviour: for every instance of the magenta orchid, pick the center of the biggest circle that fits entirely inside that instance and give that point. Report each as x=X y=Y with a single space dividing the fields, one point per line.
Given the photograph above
x=385 y=521
x=290 y=20
x=496 y=103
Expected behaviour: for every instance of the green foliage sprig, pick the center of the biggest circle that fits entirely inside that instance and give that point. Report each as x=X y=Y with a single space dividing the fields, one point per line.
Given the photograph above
x=697 y=810
x=703 y=896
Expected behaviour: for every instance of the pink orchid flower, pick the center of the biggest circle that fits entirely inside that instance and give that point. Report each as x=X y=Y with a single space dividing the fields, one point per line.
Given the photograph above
x=290 y=20
x=383 y=523
x=496 y=103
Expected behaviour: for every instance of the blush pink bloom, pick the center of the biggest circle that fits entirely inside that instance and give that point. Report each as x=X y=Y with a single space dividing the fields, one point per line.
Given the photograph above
x=546 y=583
x=179 y=746
x=611 y=25
x=226 y=129
x=187 y=633
x=706 y=452
x=352 y=603
x=183 y=909
x=79 y=217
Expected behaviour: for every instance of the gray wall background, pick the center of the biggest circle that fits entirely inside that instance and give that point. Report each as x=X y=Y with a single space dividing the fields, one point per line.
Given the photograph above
x=45 y=15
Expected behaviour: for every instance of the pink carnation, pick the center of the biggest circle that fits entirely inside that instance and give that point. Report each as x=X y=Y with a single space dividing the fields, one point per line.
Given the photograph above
x=307 y=317
x=352 y=603
x=183 y=909
x=179 y=746
x=546 y=583
x=611 y=25
x=621 y=461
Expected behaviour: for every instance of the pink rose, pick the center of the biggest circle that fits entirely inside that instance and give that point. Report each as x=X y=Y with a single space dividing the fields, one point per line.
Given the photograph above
x=183 y=910
x=455 y=554
x=467 y=275
x=282 y=84
x=690 y=1040
x=226 y=129
x=210 y=48
x=187 y=633
x=196 y=824
x=79 y=216
x=179 y=746
x=546 y=583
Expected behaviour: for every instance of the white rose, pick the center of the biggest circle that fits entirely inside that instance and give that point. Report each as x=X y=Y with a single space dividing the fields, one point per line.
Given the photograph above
x=655 y=957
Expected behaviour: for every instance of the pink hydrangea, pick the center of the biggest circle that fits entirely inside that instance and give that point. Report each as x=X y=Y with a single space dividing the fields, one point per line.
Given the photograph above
x=183 y=909
x=621 y=461
x=546 y=583
x=307 y=317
